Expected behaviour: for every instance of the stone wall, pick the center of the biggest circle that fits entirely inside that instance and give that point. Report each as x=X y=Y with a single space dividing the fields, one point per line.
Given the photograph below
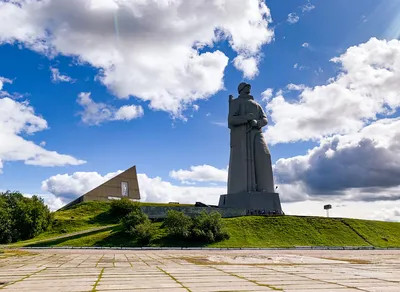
x=161 y=212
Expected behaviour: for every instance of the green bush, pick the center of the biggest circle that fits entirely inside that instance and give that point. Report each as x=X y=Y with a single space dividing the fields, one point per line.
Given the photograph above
x=134 y=218
x=120 y=208
x=178 y=224
x=143 y=232
x=22 y=218
x=204 y=227
x=137 y=224
x=209 y=227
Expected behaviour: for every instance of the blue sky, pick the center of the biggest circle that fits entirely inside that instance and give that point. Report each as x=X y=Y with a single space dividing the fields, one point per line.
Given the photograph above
x=161 y=139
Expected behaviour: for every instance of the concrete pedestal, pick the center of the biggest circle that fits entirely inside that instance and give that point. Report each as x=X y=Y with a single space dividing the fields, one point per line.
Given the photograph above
x=267 y=202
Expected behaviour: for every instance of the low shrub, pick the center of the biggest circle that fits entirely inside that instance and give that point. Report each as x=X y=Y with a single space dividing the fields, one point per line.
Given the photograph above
x=137 y=224
x=120 y=208
x=143 y=232
x=178 y=224
x=209 y=227
x=134 y=218
x=205 y=227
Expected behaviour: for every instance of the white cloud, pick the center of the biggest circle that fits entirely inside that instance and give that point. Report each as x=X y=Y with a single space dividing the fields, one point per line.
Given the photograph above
x=307 y=7
x=366 y=86
x=17 y=119
x=305 y=45
x=300 y=67
x=248 y=65
x=157 y=190
x=384 y=211
x=56 y=76
x=266 y=95
x=363 y=166
x=201 y=173
x=3 y=81
x=97 y=113
x=129 y=112
x=68 y=187
x=144 y=48
x=296 y=87
x=293 y=18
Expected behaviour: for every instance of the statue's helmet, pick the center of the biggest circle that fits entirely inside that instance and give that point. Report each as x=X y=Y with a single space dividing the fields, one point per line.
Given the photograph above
x=242 y=86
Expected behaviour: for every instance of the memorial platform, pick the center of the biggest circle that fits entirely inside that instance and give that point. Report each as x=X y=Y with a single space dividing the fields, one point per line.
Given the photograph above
x=267 y=202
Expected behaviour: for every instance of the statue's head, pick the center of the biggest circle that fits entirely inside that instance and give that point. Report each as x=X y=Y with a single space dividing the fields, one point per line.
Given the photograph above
x=244 y=88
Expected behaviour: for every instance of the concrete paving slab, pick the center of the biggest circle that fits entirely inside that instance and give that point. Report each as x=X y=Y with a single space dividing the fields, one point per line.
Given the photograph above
x=168 y=271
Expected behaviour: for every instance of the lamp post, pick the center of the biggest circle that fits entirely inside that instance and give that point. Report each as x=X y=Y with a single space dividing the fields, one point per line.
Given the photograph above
x=327 y=208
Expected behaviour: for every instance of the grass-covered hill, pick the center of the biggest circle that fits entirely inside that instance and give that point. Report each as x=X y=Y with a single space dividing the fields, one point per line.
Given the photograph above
x=90 y=224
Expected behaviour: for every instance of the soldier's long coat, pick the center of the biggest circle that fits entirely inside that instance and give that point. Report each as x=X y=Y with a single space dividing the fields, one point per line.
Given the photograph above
x=250 y=166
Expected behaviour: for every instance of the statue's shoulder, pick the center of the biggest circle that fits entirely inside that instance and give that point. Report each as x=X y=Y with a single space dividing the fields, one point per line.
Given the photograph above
x=234 y=100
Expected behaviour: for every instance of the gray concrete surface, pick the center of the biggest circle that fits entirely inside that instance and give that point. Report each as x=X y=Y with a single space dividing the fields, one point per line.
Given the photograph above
x=202 y=270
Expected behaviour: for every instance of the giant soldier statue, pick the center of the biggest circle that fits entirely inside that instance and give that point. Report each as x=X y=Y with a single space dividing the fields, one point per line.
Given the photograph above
x=250 y=177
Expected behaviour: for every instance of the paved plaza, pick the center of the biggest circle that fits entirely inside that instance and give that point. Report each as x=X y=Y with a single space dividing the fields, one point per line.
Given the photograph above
x=201 y=270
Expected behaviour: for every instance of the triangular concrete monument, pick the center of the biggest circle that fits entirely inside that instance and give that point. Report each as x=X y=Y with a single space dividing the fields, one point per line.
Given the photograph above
x=124 y=185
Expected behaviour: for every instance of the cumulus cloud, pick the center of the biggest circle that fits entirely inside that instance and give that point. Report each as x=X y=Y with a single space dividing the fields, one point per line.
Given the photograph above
x=97 y=113
x=147 y=49
x=293 y=18
x=18 y=119
x=201 y=173
x=68 y=187
x=366 y=86
x=364 y=166
x=266 y=95
x=248 y=65
x=57 y=77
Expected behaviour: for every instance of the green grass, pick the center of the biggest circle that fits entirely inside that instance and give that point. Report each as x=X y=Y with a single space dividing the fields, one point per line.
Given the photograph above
x=377 y=233
x=248 y=231
x=84 y=216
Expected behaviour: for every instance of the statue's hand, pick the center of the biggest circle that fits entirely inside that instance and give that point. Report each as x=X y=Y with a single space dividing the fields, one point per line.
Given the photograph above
x=250 y=116
x=253 y=123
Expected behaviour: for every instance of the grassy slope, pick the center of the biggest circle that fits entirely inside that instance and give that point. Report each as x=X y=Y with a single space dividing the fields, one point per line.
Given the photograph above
x=257 y=231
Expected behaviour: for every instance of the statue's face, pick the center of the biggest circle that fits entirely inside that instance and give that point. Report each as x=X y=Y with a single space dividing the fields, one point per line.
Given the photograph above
x=246 y=90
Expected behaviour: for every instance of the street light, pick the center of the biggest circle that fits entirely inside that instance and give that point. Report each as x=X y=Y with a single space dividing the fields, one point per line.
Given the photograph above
x=327 y=208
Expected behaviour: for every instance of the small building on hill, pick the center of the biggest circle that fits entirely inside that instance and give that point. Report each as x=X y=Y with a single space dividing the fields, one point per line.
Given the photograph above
x=124 y=185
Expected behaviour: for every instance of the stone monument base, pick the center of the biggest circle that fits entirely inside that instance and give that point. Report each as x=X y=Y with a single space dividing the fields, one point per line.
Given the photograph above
x=252 y=201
